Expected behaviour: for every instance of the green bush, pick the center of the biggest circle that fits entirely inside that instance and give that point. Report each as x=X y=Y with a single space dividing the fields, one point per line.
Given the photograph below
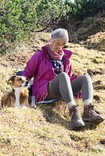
x=17 y=19
x=20 y=17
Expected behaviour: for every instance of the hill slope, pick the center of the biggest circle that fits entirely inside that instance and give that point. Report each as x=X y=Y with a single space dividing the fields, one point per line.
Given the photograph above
x=45 y=130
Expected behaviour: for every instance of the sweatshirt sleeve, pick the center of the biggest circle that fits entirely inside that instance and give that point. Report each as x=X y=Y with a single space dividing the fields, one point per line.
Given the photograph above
x=31 y=68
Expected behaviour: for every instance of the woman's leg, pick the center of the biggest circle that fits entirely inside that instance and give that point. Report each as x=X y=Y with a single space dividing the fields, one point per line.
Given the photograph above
x=61 y=86
x=83 y=83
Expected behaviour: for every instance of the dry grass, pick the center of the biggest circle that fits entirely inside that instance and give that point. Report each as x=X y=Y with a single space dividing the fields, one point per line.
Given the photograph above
x=45 y=130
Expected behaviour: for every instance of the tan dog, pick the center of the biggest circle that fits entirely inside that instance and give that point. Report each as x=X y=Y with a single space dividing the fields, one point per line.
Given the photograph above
x=18 y=97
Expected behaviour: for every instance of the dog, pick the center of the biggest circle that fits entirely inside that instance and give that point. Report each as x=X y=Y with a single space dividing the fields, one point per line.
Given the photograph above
x=19 y=96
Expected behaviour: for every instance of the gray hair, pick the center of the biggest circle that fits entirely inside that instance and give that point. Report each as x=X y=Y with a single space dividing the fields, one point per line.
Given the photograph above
x=60 y=33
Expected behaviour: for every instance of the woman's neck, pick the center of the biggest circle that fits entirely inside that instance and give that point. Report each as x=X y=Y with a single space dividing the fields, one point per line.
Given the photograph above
x=55 y=55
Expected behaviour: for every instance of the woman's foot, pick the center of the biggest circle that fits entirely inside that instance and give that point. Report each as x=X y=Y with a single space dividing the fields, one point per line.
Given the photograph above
x=76 y=120
x=91 y=115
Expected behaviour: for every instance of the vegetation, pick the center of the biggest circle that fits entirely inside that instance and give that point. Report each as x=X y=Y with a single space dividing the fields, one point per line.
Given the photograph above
x=45 y=131
x=19 y=18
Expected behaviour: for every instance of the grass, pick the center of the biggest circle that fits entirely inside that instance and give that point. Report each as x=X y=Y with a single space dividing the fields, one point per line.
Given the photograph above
x=45 y=131
x=26 y=131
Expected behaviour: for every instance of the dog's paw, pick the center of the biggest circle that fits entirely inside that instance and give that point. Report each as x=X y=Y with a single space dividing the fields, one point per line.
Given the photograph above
x=24 y=107
x=17 y=106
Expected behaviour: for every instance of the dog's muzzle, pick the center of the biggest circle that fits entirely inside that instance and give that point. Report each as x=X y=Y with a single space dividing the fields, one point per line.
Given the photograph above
x=27 y=84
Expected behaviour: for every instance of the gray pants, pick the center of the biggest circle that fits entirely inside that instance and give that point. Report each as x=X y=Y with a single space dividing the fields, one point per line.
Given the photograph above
x=61 y=86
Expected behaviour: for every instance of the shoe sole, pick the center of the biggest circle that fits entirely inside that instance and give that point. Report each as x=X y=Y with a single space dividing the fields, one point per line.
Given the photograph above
x=98 y=121
x=77 y=128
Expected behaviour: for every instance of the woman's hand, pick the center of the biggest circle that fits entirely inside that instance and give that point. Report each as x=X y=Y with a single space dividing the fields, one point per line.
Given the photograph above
x=79 y=73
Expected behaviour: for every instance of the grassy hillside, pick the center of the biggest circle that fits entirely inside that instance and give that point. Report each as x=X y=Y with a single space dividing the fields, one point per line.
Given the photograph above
x=45 y=130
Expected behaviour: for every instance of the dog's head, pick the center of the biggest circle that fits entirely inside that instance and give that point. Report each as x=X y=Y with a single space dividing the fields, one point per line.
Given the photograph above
x=18 y=81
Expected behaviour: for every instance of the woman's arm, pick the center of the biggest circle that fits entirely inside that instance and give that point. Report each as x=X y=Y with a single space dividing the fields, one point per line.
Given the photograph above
x=32 y=66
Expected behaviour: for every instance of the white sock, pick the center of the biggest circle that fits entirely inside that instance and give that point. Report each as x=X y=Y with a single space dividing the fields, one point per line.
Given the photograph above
x=70 y=104
x=87 y=102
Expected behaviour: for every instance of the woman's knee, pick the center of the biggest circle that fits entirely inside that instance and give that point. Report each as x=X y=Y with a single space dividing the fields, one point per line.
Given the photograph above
x=64 y=76
x=86 y=77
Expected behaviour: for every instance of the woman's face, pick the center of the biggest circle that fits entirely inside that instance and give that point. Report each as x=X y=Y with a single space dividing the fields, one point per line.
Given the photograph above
x=56 y=44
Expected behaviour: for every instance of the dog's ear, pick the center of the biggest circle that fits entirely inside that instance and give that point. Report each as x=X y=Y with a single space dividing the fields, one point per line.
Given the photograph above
x=11 y=78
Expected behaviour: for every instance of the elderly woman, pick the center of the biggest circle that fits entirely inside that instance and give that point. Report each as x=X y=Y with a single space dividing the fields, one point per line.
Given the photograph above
x=52 y=72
